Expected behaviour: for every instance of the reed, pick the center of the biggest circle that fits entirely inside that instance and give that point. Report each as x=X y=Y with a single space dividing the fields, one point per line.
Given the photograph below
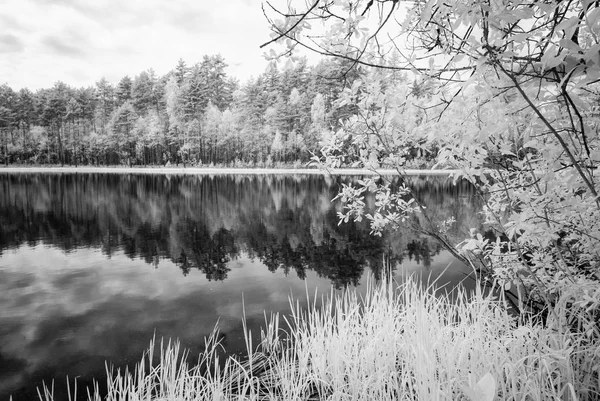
x=399 y=341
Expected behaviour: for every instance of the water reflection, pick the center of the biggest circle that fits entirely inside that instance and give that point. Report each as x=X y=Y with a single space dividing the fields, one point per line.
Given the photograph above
x=92 y=265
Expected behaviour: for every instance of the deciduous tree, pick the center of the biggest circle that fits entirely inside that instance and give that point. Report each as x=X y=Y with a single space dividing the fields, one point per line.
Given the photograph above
x=514 y=109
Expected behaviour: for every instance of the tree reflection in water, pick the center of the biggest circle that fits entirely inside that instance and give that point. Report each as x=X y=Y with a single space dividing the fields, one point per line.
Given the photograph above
x=205 y=222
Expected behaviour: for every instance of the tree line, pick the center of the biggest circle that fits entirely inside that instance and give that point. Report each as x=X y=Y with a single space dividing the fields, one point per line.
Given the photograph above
x=192 y=115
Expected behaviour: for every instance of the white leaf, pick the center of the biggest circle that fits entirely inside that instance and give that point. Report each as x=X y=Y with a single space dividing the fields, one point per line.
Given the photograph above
x=486 y=387
x=458 y=58
x=568 y=23
x=593 y=17
x=593 y=54
x=483 y=390
x=569 y=44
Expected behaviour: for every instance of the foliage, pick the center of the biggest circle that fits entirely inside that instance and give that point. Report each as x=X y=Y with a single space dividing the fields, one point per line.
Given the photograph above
x=504 y=92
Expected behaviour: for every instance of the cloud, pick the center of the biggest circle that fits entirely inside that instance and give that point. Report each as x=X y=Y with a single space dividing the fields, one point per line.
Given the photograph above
x=8 y=22
x=10 y=44
x=90 y=9
x=119 y=15
x=62 y=47
x=81 y=75
x=195 y=21
x=114 y=38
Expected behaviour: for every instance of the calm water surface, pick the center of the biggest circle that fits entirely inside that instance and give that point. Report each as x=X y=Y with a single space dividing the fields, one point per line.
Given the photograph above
x=93 y=265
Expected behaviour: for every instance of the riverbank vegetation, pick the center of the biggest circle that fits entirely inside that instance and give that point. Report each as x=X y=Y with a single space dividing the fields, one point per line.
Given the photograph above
x=400 y=341
x=511 y=101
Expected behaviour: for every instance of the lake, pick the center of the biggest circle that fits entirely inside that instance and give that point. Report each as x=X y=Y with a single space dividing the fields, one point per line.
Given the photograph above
x=92 y=266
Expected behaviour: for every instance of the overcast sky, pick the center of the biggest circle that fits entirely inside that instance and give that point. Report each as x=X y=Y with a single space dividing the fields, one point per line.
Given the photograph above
x=80 y=41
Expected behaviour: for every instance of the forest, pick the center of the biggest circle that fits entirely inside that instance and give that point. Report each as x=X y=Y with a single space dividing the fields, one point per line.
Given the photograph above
x=193 y=115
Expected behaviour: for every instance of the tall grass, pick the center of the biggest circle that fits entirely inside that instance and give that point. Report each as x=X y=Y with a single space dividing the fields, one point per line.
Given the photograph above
x=399 y=341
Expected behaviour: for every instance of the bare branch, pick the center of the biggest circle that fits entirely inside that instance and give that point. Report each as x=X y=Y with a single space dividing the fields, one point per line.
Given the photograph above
x=286 y=33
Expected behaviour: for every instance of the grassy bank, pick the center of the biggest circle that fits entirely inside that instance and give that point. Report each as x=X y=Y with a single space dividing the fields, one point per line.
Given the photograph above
x=398 y=342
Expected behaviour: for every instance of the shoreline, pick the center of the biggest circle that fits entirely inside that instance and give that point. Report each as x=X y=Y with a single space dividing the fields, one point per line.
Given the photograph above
x=221 y=171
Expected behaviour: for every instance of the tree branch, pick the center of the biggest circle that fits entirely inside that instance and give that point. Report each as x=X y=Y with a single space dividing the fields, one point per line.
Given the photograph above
x=286 y=33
